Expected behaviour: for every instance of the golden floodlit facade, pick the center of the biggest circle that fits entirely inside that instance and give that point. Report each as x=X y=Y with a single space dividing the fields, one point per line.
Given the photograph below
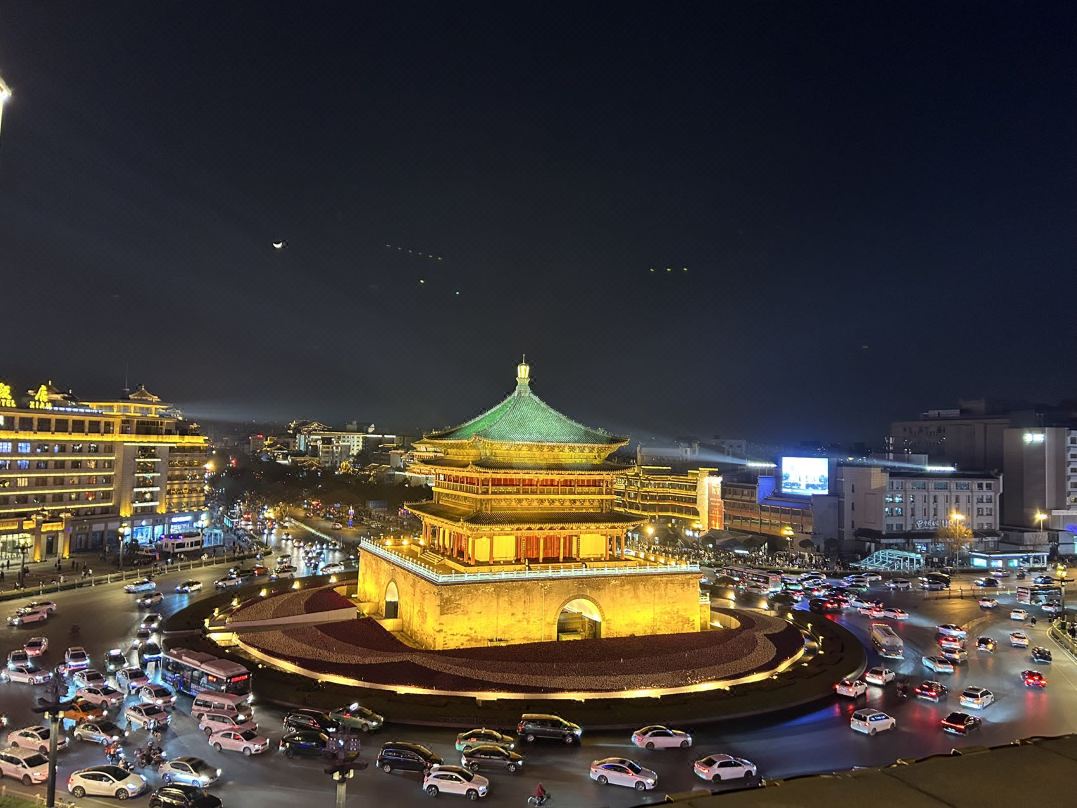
x=522 y=542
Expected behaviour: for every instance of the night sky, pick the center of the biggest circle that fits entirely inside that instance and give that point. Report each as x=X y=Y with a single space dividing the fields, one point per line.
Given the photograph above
x=876 y=208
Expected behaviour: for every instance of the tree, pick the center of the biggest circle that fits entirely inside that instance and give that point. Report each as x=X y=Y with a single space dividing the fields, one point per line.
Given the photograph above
x=955 y=535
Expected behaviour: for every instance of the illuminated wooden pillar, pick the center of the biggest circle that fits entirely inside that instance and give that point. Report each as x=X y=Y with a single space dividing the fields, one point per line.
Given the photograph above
x=560 y=549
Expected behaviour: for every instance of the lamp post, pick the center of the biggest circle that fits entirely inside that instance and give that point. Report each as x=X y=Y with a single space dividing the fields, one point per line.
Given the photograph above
x=957 y=518
x=53 y=711
x=341 y=775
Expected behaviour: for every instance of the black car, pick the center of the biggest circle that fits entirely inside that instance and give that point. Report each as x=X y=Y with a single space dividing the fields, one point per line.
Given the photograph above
x=540 y=726
x=1043 y=580
x=177 y=796
x=1041 y=654
x=310 y=719
x=306 y=743
x=489 y=756
x=960 y=723
x=823 y=606
x=406 y=756
x=149 y=651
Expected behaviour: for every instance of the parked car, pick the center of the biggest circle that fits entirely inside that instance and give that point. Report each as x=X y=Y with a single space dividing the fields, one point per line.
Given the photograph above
x=871 y=722
x=660 y=737
x=455 y=780
x=105 y=781
x=540 y=726
x=491 y=756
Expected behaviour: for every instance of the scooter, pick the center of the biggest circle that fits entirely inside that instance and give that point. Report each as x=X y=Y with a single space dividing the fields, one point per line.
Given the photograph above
x=535 y=801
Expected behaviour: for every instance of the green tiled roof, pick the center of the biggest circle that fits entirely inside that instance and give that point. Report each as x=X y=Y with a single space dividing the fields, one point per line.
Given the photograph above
x=523 y=417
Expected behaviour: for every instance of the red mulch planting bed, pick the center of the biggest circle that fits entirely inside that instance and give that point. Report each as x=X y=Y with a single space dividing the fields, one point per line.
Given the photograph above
x=326 y=600
x=616 y=657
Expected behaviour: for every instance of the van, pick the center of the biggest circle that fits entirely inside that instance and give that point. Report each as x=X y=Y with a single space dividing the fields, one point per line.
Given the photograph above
x=226 y=703
x=27 y=765
x=218 y=722
x=534 y=726
x=405 y=756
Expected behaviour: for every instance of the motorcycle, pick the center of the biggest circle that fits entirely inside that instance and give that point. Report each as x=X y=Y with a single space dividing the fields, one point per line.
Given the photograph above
x=536 y=801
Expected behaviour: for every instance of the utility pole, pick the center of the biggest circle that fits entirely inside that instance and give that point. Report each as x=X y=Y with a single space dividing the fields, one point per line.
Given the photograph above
x=53 y=711
x=341 y=775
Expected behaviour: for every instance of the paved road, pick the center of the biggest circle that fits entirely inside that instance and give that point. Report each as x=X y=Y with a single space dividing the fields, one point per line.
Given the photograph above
x=819 y=740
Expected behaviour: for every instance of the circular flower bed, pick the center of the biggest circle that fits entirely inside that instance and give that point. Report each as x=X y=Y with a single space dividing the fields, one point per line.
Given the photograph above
x=361 y=650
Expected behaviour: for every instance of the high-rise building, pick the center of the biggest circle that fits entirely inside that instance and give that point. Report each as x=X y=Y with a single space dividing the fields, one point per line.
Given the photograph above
x=75 y=475
x=689 y=500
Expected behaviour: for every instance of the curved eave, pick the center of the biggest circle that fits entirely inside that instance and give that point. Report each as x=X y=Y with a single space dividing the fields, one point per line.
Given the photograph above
x=505 y=446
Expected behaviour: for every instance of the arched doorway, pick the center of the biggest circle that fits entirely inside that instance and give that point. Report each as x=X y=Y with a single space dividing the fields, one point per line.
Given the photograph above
x=579 y=619
x=392 y=601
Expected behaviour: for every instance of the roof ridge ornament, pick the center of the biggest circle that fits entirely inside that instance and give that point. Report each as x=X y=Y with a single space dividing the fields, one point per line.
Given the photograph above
x=523 y=374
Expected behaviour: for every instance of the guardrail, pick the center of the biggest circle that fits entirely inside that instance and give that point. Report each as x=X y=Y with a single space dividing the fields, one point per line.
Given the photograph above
x=78 y=582
x=590 y=571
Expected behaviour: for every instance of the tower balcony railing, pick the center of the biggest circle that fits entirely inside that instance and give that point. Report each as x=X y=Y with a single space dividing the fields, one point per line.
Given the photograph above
x=595 y=569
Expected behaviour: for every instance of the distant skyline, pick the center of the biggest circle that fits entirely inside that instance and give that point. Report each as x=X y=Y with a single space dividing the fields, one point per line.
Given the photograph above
x=875 y=206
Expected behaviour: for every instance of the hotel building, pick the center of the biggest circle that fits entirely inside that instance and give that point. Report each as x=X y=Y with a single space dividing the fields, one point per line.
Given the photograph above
x=76 y=475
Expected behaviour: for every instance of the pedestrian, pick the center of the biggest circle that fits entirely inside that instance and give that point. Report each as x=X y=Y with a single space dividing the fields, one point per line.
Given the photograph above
x=1033 y=620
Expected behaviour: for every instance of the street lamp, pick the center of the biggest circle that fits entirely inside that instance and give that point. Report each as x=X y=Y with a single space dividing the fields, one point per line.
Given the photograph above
x=53 y=711
x=341 y=775
x=956 y=518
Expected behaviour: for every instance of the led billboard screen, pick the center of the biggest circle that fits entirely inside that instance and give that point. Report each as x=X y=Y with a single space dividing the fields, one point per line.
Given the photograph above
x=805 y=475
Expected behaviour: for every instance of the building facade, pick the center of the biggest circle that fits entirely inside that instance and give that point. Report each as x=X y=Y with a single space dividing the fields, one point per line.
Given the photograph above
x=689 y=500
x=755 y=505
x=882 y=507
x=75 y=475
x=1041 y=479
x=521 y=541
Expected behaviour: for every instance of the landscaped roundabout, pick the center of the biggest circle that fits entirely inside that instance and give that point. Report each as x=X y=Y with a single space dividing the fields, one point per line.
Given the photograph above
x=310 y=648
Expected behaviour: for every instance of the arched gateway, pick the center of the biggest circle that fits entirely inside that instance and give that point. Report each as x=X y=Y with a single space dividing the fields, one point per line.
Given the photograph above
x=392 y=602
x=579 y=619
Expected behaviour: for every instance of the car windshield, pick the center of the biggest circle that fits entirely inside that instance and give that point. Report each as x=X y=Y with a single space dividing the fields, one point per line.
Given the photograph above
x=633 y=767
x=248 y=735
x=152 y=709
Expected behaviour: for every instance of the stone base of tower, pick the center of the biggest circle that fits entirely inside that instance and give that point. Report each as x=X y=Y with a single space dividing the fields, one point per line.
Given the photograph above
x=537 y=608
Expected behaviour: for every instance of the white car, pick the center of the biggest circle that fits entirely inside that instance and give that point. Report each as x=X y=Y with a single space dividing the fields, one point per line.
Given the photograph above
x=1018 y=639
x=332 y=569
x=858 y=602
x=48 y=605
x=1052 y=607
x=130 y=679
x=141 y=585
x=152 y=621
x=189 y=771
x=246 y=741
x=723 y=767
x=871 y=610
x=987 y=603
x=25 y=616
x=1018 y=614
x=157 y=694
x=900 y=584
x=224 y=583
x=894 y=613
x=659 y=737
x=101 y=695
x=76 y=658
x=853 y=688
x=978 y=697
x=937 y=664
x=28 y=674
x=189 y=586
x=879 y=676
x=35 y=738
x=36 y=646
x=88 y=677
x=149 y=716
x=105 y=781
x=871 y=577
x=871 y=722
x=25 y=765
x=950 y=630
x=623 y=772
x=455 y=780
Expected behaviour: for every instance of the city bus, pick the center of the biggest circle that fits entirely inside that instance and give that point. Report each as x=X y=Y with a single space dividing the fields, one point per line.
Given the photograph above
x=1037 y=595
x=193 y=672
x=770 y=581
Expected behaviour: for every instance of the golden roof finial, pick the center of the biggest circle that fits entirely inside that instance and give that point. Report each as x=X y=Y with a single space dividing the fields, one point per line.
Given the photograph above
x=523 y=372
